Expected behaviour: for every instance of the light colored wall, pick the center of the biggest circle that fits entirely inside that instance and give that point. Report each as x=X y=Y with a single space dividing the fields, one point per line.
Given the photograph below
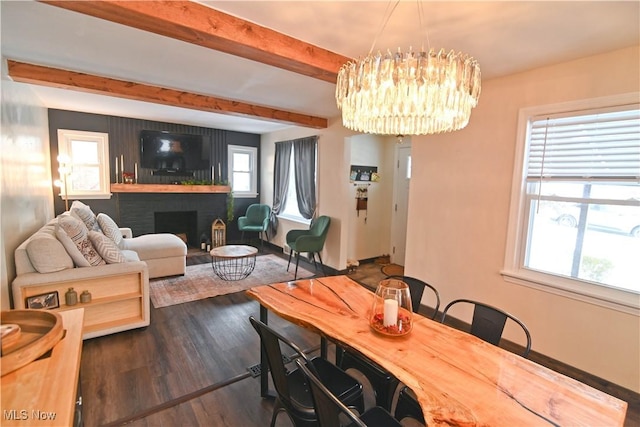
x=459 y=207
x=368 y=232
x=333 y=170
x=26 y=202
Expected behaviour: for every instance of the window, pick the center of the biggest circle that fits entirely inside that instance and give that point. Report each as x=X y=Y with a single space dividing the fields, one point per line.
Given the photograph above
x=243 y=167
x=84 y=164
x=291 y=210
x=575 y=214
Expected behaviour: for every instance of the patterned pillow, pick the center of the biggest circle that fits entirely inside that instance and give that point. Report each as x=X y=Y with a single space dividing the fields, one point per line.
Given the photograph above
x=71 y=228
x=110 y=229
x=106 y=248
x=85 y=213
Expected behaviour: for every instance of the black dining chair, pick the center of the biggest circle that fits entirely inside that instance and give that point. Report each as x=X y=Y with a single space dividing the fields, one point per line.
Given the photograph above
x=384 y=384
x=293 y=394
x=330 y=409
x=488 y=324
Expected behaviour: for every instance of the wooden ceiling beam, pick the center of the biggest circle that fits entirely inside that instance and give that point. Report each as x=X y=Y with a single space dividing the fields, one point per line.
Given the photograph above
x=54 y=77
x=203 y=26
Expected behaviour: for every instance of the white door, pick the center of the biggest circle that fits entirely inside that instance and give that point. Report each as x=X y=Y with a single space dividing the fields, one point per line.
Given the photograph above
x=401 y=203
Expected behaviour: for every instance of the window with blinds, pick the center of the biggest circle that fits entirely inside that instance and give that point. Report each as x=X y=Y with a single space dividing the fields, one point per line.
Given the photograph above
x=576 y=225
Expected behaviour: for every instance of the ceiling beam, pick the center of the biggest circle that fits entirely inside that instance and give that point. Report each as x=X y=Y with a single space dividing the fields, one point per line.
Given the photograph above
x=203 y=26
x=54 y=77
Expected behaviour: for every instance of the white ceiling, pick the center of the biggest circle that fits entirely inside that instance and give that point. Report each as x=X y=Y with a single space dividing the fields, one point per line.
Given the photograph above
x=505 y=37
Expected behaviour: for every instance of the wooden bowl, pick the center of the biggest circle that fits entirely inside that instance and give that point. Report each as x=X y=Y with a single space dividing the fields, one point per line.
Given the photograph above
x=32 y=333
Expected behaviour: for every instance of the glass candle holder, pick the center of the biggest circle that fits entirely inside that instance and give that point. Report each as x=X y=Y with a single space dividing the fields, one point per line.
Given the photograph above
x=392 y=313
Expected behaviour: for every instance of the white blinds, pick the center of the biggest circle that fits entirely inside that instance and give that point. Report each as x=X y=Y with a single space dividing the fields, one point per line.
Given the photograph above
x=590 y=146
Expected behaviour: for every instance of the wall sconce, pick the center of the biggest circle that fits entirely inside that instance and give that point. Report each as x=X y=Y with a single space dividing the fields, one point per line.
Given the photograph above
x=64 y=169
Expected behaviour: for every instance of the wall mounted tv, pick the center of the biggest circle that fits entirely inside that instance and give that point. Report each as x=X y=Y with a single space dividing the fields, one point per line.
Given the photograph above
x=172 y=153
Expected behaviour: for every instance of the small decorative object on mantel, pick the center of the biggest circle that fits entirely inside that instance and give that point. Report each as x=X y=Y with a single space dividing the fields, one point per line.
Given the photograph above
x=128 y=177
x=392 y=313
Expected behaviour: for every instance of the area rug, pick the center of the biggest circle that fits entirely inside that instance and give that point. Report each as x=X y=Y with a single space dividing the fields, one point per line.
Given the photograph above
x=393 y=270
x=201 y=282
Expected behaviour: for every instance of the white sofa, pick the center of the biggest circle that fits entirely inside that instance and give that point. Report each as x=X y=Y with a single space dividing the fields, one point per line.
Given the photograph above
x=118 y=282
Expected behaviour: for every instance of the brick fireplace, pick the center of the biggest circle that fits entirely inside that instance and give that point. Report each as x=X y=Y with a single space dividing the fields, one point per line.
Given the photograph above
x=187 y=213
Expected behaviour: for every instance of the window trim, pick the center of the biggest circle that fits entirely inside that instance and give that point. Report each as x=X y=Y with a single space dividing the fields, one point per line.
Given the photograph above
x=514 y=270
x=64 y=149
x=253 y=152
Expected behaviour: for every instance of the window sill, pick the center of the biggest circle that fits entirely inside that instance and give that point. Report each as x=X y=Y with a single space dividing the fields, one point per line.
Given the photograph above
x=244 y=195
x=612 y=298
x=101 y=196
x=295 y=219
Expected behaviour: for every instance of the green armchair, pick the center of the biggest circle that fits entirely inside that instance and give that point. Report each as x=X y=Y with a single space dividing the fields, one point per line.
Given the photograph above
x=311 y=241
x=256 y=220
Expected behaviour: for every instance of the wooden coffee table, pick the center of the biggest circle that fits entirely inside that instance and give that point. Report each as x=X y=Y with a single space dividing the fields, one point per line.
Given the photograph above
x=233 y=262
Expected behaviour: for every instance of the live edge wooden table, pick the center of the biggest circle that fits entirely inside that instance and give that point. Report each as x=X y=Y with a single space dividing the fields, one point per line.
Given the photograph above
x=43 y=393
x=458 y=378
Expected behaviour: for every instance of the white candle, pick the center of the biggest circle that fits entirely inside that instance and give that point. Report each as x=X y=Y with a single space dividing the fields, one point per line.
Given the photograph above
x=117 y=169
x=390 y=312
x=213 y=174
x=219 y=173
x=122 y=166
x=135 y=171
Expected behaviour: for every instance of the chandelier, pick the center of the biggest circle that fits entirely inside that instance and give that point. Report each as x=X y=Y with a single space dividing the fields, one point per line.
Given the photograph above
x=410 y=93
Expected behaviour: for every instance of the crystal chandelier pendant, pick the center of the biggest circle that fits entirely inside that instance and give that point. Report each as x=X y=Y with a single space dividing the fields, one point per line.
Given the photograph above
x=411 y=93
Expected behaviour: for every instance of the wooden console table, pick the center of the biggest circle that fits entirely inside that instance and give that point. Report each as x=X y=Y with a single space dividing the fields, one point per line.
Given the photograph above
x=44 y=392
x=168 y=188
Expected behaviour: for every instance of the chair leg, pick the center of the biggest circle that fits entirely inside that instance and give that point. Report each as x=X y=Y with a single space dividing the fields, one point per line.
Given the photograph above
x=321 y=264
x=295 y=275
x=289 y=263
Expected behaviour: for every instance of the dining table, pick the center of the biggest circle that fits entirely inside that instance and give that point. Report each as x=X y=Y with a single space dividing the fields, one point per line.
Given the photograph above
x=458 y=379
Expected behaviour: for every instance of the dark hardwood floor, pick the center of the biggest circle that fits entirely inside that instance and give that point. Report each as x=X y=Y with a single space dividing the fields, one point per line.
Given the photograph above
x=190 y=367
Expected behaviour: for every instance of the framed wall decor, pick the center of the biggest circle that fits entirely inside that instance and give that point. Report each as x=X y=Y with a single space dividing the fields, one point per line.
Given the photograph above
x=363 y=173
x=48 y=301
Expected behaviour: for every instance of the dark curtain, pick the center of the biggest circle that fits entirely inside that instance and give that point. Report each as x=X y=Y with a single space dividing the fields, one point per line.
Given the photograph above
x=280 y=182
x=304 y=160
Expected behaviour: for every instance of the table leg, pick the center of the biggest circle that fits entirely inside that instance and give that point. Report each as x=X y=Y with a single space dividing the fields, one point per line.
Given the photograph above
x=264 y=367
x=323 y=347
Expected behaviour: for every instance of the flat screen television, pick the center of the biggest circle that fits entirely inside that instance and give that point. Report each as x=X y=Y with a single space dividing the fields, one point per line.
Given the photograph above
x=173 y=153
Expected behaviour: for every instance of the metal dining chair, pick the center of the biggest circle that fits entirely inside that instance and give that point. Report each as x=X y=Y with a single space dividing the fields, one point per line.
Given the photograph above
x=384 y=384
x=293 y=395
x=488 y=324
x=329 y=408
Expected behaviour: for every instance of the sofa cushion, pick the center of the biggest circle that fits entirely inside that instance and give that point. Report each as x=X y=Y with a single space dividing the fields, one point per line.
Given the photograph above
x=47 y=254
x=85 y=213
x=130 y=256
x=106 y=248
x=156 y=246
x=110 y=229
x=73 y=233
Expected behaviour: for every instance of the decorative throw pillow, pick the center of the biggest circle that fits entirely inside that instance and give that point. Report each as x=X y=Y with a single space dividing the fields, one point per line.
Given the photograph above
x=106 y=248
x=77 y=232
x=85 y=213
x=110 y=229
x=47 y=255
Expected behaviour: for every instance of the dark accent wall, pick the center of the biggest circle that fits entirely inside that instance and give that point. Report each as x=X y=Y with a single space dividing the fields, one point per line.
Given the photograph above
x=136 y=210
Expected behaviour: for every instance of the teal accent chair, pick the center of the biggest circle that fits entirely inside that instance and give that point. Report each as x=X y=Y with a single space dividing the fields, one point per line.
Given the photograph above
x=310 y=241
x=256 y=220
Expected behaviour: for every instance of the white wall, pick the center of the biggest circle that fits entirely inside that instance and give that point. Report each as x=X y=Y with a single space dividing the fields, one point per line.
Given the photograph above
x=26 y=202
x=333 y=170
x=459 y=208
x=369 y=231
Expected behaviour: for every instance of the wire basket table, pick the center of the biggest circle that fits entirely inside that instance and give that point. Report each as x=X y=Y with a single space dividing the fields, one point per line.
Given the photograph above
x=233 y=262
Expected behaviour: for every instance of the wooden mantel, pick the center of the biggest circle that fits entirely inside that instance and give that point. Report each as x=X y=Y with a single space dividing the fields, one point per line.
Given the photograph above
x=168 y=188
